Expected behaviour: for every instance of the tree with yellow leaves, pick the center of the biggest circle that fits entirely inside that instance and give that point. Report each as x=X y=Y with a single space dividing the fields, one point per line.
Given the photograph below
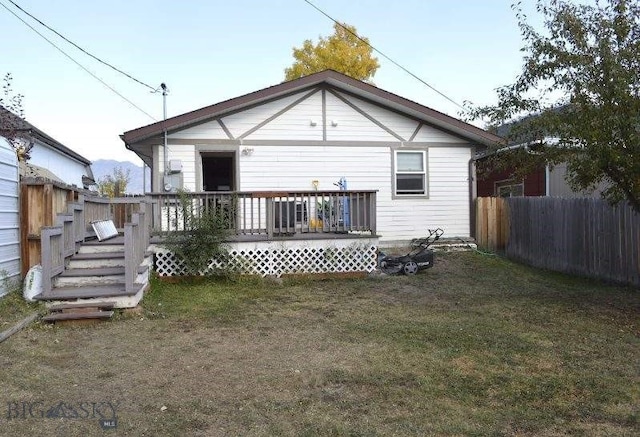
x=344 y=51
x=115 y=184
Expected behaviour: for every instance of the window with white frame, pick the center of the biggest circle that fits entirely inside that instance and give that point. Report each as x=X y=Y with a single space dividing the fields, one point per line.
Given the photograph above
x=509 y=189
x=410 y=172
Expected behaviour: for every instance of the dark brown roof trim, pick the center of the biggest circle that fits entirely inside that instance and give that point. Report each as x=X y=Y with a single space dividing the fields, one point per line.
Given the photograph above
x=275 y=91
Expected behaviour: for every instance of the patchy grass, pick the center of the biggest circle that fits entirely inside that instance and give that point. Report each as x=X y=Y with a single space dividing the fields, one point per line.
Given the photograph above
x=13 y=308
x=475 y=346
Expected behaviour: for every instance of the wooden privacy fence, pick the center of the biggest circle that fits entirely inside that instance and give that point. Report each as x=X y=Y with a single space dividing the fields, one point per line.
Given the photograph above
x=492 y=223
x=584 y=236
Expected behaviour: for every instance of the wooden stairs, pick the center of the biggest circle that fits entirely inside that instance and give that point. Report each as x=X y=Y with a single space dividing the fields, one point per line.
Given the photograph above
x=93 y=283
x=79 y=311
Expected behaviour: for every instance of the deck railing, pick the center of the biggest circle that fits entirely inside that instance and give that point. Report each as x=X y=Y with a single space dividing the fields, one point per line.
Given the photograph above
x=253 y=214
x=58 y=243
x=136 y=241
x=269 y=214
x=52 y=240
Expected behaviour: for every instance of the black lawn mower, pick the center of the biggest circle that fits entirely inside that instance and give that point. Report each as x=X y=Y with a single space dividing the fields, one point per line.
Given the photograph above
x=419 y=258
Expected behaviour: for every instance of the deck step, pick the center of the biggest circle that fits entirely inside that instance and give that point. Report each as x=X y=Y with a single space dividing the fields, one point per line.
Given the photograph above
x=90 y=277
x=111 y=245
x=100 y=271
x=98 y=255
x=86 y=292
x=95 y=263
x=96 y=260
x=77 y=315
x=76 y=306
x=115 y=241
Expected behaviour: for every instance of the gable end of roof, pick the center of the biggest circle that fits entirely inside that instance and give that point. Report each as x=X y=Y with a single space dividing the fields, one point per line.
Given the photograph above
x=329 y=77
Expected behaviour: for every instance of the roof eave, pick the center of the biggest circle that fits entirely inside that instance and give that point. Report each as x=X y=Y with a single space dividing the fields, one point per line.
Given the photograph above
x=330 y=77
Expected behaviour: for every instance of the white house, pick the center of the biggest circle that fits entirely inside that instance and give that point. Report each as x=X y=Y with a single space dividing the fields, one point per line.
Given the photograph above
x=307 y=134
x=50 y=158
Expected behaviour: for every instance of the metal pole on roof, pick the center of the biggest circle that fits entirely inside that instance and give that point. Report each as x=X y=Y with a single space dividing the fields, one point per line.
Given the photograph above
x=165 y=91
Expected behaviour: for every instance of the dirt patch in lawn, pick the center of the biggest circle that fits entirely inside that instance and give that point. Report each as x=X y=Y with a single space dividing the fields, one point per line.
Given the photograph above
x=477 y=345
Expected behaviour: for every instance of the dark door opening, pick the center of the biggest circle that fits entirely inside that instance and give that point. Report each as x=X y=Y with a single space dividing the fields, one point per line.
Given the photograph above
x=218 y=172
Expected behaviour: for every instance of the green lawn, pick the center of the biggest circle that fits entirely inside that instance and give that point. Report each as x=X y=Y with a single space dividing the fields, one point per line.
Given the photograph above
x=475 y=346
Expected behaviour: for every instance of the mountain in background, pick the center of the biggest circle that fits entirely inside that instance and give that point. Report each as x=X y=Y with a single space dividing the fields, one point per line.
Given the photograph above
x=103 y=167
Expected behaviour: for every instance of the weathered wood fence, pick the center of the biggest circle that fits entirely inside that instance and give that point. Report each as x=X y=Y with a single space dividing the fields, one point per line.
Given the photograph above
x=585 y=236
x=44 y=203
x=492 y=223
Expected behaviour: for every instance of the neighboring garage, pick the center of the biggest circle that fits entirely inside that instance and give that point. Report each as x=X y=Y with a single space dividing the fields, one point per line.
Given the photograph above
x=9 y=218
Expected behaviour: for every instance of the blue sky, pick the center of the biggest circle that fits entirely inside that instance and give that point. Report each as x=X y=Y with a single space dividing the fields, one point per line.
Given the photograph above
x=209 y=51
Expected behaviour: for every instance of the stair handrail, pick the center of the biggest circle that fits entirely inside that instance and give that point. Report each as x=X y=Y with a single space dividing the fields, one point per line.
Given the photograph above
x=52 y=247
x=136 y=241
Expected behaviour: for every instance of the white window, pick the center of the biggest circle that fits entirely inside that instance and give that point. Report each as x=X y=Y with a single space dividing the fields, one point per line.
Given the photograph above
x=509 y=189
x=410 y=172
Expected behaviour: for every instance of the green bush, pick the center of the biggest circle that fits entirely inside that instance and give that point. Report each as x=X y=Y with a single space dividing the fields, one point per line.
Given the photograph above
x=203 y=231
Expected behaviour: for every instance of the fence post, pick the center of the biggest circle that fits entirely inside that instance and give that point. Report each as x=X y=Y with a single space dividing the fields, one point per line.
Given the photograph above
x=492 y=223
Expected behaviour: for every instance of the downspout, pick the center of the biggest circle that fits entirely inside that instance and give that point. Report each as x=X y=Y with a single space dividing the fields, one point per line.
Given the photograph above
x=547 y=184
x=473 y=194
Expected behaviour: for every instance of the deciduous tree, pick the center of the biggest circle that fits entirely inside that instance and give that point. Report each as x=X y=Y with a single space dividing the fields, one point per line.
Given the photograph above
x=12 y=119
x=114 y=184
x=581 y=80
x=343 y=51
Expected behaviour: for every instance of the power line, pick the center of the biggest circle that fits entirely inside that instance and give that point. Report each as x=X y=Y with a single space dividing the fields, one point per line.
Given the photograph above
x=79 y=64
x=383 y=55
x=80 y=48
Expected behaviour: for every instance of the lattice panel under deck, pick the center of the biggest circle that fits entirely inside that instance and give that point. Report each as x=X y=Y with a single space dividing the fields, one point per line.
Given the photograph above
x=276 y=262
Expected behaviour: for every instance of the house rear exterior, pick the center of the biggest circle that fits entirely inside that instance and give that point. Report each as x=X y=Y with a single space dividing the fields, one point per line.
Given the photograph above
x=308 y=134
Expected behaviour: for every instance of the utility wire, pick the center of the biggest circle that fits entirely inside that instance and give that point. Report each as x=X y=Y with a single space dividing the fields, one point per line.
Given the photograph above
x=78 y=64
x=80 y=48
x=383 y=55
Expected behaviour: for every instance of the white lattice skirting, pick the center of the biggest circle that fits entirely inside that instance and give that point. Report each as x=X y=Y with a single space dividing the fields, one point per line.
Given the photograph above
x=281 y=258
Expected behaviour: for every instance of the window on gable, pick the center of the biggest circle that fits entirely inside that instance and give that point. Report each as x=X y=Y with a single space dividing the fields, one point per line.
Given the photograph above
x=410 y=172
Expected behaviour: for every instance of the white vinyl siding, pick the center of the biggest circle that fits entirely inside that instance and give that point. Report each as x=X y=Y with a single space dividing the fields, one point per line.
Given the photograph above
x=346 y=124
x=186 y=154
x=297 y=167
x=303 y=122
x=241 y=122
x=370 y=168
x=208 y=130
x=401 y=125
x=356 y=148
x=448 y=204
x=431 y=134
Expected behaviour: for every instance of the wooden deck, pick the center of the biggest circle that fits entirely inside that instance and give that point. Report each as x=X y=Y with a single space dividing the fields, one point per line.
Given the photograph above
x=301 y=236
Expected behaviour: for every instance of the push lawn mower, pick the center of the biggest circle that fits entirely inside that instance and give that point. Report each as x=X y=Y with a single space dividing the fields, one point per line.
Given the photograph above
x=419 y=258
